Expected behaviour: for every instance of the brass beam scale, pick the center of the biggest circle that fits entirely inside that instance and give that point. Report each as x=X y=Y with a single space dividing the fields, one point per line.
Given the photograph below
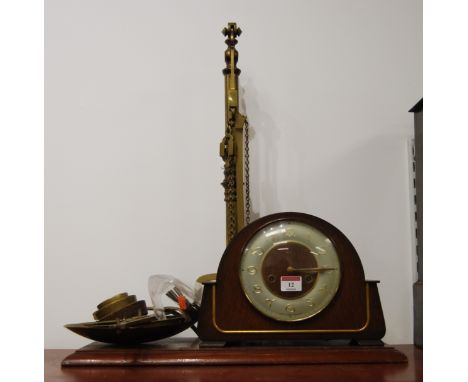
x=232 y=145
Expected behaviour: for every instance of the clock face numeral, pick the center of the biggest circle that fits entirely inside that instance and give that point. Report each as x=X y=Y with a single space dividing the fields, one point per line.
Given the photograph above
x=257 y=252
x=290 y=308
x=290 y=232
x=257 y=288
x=309 y=302
x=270 y=301
x=252 y=270
x=320 y=250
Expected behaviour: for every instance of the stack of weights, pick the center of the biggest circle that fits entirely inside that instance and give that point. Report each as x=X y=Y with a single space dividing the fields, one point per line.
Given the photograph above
x=120 y=307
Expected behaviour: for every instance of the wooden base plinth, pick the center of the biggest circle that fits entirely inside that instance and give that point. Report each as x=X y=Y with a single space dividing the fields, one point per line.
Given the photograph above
x=188 y=352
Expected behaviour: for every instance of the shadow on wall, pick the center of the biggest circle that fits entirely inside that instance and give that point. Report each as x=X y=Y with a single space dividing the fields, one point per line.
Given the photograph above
x=368 y=174
x=263 y=167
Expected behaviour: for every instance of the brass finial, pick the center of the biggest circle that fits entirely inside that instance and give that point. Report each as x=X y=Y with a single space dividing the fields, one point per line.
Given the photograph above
x=231 y=31
x=231 y=55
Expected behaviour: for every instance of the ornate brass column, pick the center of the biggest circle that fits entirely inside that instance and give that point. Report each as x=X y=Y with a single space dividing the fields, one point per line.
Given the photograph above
x=231 y=147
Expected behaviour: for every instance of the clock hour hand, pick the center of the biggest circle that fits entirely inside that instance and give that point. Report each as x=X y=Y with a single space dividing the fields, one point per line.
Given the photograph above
x=310 y=270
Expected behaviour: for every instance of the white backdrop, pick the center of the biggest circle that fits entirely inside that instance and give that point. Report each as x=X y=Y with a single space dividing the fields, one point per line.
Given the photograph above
x=135 y=113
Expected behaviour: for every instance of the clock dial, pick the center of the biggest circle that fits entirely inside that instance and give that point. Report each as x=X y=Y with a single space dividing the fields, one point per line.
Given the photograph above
x=289 y=271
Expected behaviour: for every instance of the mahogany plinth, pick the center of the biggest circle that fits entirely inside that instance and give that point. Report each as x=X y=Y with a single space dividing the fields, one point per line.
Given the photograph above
x=188 y=352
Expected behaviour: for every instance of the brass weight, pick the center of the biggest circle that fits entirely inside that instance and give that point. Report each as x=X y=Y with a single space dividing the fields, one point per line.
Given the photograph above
x=120 y=306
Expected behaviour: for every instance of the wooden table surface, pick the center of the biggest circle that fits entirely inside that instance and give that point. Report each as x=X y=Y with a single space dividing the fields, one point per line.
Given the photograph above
x=412 y=371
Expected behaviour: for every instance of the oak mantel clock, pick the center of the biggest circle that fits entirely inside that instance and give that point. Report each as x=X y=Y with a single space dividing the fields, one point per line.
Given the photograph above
x=290 y=276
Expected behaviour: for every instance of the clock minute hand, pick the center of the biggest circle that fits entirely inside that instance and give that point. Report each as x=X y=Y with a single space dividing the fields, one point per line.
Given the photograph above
x=307 y=270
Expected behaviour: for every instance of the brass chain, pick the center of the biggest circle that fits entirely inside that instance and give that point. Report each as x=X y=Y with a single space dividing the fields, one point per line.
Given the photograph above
x=231 y=196
x=230 y=186
x=229 y=183
x=247 y=171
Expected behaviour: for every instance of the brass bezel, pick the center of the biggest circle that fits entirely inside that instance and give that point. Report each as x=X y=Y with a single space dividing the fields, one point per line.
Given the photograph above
x=296 y=241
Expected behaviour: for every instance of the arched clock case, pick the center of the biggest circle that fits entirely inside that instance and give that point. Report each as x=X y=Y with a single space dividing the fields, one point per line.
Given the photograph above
x=290 y=276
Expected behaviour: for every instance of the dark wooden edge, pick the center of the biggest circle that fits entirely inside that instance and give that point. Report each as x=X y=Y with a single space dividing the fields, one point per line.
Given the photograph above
x=242 y=355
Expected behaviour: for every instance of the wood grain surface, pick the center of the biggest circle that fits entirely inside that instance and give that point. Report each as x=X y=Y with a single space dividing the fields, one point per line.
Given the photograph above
x=189 y=351
x=403 y=372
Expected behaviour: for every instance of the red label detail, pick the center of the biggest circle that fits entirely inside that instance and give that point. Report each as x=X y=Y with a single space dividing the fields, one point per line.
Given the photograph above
x=290 y=278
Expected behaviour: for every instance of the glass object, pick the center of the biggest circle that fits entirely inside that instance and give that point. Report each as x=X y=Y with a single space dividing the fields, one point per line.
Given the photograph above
x=160 y=286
